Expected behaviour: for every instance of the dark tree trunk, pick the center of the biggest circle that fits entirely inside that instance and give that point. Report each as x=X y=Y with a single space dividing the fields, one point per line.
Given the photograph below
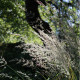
x=34 y=19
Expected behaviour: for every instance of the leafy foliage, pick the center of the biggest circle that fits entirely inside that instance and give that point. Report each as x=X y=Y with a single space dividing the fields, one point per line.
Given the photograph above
x=13 y=25
x=62 y=16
